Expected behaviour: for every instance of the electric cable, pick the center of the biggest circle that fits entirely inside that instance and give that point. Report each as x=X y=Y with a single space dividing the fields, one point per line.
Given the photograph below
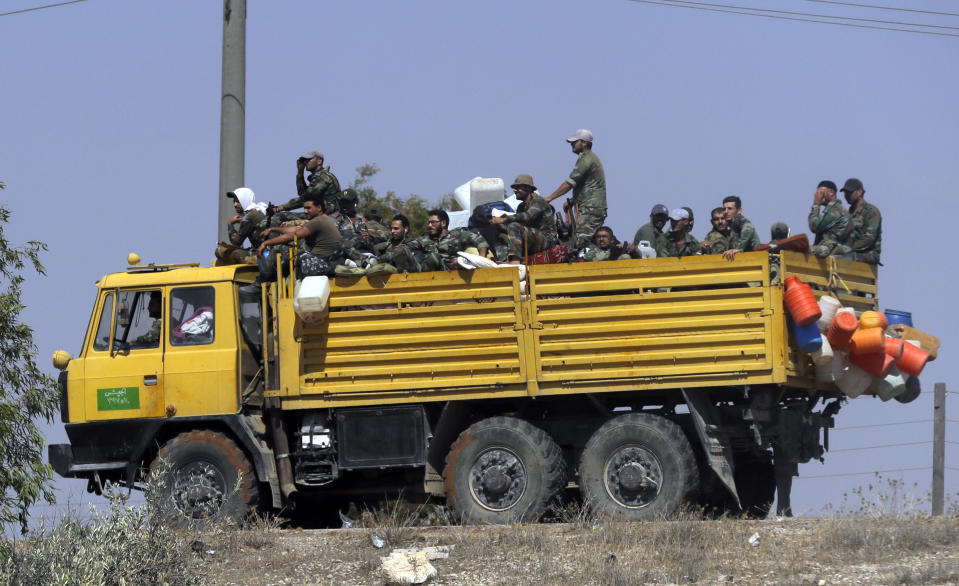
x=41 y=7
x=877 y=7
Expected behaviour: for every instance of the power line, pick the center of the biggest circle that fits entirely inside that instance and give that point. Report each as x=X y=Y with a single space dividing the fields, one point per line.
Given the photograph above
x=880 y=446
x=41 y=7
x=865 y=473
x=882 y=424
x=952 y=420
x=884 y=7
x=798 y=19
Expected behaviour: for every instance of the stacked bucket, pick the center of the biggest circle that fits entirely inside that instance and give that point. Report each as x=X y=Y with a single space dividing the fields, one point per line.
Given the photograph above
x=855 y=353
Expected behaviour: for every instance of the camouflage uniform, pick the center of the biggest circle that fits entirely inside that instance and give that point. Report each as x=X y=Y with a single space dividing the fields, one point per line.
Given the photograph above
x=594 y=253
x=672 y=247
x=589 y=195
x=532 y=229
x=151 y=338
x=322 y=183
x=864 y=238
x=253 y=222
x=742 y=234
x=649 y=233
x=717 y=242
x=407 y=256
x=440 y=252
x=829 y=225
x=354 y=243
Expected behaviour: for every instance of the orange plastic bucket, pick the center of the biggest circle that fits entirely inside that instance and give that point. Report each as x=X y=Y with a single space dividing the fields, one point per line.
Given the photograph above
x=878 y=364
x=841 y=329
x=894 y=347
x=867 y=341
x=913 y=359
x=872 y=319
x=801 y=302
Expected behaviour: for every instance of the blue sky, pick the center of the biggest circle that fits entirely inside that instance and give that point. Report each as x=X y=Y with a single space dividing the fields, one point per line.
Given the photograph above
x=110 y=137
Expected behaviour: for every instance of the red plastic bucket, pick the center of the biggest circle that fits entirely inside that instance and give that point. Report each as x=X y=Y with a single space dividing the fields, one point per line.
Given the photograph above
x=801 y=302
x=913 y=359
x=878 y=364
x=841 y=329
x=894 y=347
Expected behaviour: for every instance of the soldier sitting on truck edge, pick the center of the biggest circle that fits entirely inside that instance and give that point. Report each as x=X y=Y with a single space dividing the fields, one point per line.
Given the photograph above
x=442 y=243
x=588 y=183
x=678 y=242
x=400 y=253
x=742 y=233
x=604 y=246
x=532 y=228
x=324 y=243
x=321 y=182
x=717 y=240
x=359 y=235
x=864 y=238
x=249 y=220
x=828 y=220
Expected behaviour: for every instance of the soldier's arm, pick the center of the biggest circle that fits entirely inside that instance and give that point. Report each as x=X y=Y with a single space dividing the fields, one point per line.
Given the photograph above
x=815 y=220
x=575 y=177
x=562 y=190
x=300 y=183
x=748 y=237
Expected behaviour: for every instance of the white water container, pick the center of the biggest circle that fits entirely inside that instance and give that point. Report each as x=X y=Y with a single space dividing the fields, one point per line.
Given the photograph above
x=831 y=370
x=310 y=296
x=645 y=249
x=486 y=190
x=892 y=386
x=824 y=354
x=854 y=381
x=462 y=195
x=828 y=305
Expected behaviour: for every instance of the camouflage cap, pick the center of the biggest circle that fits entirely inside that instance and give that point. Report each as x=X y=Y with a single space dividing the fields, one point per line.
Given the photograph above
x=311 y=154
x=349 y=194
x=524 y=179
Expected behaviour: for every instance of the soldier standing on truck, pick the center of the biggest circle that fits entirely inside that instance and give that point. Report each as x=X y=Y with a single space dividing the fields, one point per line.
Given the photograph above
x=443 y=243
x=588 y=183
x=828 y=220
x=324 y=248
x=864 y=239
x=717 y=240
x=532 y=228
x=652 y=231
x=742 y=233
x=321 y=182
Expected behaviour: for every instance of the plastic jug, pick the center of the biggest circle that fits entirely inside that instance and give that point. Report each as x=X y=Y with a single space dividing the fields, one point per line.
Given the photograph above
x=801 y=302
x=913 y=358
x=867 y=341
x=808 y=337
x=853 y=381
x=310 y=296
x=828 y=305
x=824 y=355
x=843 y=326
x=892 y=386
x=878 y=364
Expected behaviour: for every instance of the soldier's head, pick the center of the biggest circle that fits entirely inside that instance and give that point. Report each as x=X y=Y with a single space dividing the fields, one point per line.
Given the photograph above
x=523 y=186
x=582 y=140
x=853 y=190
x=780 y=230
x=373 y=215
x=313 y=159
x=603 y=237
x=399 y=227
x=679 y=220
x=718 y=219
x=438 y=223
x=828 y=190
x=658 y=216
x=732 y=206
x=155 y=306
x=312 y=205
x=348 y=200
x=689 y=210
x=243 y=199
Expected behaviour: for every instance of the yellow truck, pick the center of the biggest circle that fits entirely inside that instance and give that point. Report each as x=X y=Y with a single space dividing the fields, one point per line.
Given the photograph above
x=643 y=384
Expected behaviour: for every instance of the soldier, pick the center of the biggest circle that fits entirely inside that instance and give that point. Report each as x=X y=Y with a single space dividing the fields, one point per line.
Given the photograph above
x=778 y=231
x=605 y=247
x=442 y=244
x=320 y=182
x=151 y=339
x=652 y=232
x=400 y=253
x=689 y=211
x=829 y=223
x=324 y=243
x=679 y=242
x=742 y=233
x=864 y=236
x=717 y=240
x=247 y=224
x=359 y=235
x=532 y=228
x=588 y=183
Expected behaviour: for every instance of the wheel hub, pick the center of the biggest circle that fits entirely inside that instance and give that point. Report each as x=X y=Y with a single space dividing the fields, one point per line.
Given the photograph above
x=198 y=490
x=497 y=479
x=633 y=476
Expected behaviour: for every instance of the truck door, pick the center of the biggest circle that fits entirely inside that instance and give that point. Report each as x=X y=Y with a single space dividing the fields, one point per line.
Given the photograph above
x=124 y=371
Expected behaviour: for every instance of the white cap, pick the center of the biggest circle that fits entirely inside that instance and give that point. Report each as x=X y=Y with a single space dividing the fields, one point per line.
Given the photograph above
x=581 y=134
x=679 y=214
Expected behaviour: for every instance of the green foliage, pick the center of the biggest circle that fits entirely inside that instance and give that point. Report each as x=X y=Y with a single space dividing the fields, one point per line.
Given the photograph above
x=26 y=393
x=414 y=207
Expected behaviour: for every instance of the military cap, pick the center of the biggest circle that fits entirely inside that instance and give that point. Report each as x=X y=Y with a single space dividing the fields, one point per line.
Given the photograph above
x=524 y=179
x=679 y=214
x=852 y=184
x=581 y=134
x=349 y=194
x=659 y=209
x=311 y=154
x=780 y=230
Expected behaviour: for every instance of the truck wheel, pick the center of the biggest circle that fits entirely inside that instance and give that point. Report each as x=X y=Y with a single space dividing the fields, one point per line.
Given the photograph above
x=636 y=467
x=204 y=476
x=503 y=470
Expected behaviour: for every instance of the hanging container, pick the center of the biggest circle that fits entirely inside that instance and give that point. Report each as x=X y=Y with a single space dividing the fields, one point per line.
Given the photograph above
x=853 y=381
x=892 y=386
x=828 y=305
x=830 y=371
x=893 y=347
x=878 y=364
x=898 y=317
x=808 y=337
x=873 y=319
x=868 y=341
x=801 y=302
x=824 y=354
x=913 y=389
x=842 y=328
x=913 y=358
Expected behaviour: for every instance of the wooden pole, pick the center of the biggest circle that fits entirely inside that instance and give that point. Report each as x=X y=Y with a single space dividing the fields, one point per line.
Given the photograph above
x=939 y=449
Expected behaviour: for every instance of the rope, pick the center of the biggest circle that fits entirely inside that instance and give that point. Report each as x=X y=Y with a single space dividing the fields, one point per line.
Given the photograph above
x=834 y=278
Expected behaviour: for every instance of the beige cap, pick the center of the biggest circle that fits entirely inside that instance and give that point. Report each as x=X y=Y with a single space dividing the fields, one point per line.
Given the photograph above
x=524 y=179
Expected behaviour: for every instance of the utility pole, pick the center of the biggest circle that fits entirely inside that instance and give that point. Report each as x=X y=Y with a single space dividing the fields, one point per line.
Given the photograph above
x=232 y=109
x=939 y=449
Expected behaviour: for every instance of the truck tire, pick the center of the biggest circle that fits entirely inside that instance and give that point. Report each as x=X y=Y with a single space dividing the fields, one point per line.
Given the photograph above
x=204 y=476
x=503 y=470
x=637 y=467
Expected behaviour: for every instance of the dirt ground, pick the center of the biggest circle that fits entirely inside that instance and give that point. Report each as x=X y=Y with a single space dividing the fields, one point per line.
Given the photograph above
x=690 y=550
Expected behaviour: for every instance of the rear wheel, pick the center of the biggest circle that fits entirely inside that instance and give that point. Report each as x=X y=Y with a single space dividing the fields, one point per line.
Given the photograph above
x=503 y=470
x=203 y=476
x=637 y=466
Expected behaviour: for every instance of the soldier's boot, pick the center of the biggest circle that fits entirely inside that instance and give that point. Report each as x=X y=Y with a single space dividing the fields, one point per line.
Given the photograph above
x=382 y=268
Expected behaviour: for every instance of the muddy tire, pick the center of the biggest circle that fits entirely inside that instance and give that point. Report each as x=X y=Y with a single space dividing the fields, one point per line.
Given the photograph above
x=503 y=470
x=637 y=467
x=202 y=476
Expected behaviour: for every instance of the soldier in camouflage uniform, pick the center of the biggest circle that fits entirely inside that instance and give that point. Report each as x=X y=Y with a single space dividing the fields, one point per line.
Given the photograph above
x=742 y=233
x=442 y=244
x=864 y=235
x=652 y=231
x=588 y=183
x=532 y=228
x=359 y=235
x=320 y=182
x=604 y=247
x=717 y=240
x=151 y=339
x=246 y=225
x=400 y=250
x=678 y=241
x=828 y=220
